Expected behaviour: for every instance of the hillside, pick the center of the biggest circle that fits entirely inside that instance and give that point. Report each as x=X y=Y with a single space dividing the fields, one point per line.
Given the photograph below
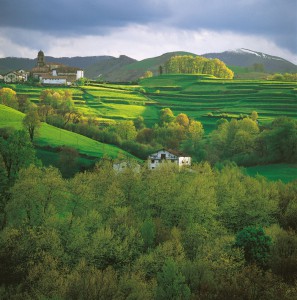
x=55 y=137
x=246 y=58
x=134 y=70
x=104 y=69
x=14 y=63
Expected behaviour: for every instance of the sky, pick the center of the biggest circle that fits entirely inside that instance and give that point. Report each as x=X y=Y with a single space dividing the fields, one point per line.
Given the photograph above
x=146 y=28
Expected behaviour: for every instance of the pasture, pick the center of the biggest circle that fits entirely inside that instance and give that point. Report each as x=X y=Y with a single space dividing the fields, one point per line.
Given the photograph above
x=56 y=137
x=283 y=172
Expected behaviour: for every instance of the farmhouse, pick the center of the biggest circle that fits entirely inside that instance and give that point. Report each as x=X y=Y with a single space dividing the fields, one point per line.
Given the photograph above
x=16 y=76
x=55 y=73
x=161 y=156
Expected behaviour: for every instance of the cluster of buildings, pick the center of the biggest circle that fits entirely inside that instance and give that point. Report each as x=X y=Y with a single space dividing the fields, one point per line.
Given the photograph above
x=46 y=73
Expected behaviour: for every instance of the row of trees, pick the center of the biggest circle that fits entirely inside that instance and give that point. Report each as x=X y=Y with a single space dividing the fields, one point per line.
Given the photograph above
x=188 y=64
x=148 y=234
x=283 y=77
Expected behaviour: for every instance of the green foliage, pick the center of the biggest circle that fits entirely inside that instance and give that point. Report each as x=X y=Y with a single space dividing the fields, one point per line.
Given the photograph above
x=31 y=123
x=148 y=74
x=144 y=234
x=8 y=97
x=171 y=283
x=148 y=233
x=197 y=65
x=256 y=245
x=166 y=116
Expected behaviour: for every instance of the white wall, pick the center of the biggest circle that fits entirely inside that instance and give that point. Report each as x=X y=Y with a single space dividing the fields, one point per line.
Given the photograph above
x=53 y=81
x=79 y=74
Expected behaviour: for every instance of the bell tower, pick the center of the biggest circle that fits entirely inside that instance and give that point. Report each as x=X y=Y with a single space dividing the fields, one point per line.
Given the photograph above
x=40 y=59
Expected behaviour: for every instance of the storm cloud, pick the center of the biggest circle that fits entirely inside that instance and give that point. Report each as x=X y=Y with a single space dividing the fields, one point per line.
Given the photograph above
x=23 y=23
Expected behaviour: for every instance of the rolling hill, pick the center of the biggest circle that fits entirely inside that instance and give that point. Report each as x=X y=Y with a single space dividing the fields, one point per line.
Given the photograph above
x=55 y=137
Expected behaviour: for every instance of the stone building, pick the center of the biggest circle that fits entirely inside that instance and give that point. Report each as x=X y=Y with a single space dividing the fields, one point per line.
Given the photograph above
x=55 y=73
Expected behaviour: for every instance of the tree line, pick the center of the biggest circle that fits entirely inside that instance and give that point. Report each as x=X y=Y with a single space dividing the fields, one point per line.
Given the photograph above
x=187 y=64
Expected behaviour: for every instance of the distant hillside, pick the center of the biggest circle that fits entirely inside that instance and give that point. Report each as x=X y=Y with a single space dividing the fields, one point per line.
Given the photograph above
x=124 y=68
x=134 y=70
x=105 y=68
x=14 y=63
x=246 y=58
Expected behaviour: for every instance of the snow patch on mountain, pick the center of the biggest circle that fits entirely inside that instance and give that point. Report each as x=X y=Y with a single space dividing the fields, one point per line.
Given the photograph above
x=259 y=54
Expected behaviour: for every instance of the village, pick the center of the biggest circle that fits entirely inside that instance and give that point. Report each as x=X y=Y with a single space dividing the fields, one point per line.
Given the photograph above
x=45 y=73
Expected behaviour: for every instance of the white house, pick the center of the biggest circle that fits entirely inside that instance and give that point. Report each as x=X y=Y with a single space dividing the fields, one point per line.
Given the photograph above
x=11 y=77
x=16 y=76
x=161 y=156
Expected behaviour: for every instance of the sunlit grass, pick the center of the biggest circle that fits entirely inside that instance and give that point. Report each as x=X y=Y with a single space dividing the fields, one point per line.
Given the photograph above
x=55 y=137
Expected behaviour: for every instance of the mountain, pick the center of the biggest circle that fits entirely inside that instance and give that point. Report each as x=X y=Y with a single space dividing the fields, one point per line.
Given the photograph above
x=246 y=58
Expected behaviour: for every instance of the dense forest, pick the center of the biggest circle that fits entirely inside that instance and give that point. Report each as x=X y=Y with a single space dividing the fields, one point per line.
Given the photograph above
x=188 y=64
x=199 y=233
x=205 y=232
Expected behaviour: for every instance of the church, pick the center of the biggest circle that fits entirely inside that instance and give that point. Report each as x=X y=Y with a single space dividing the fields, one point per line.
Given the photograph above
x=55 y=73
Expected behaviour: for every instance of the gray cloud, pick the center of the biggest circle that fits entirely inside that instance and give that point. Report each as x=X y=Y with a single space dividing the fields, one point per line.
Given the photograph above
x=275 y=20
x=78 y=16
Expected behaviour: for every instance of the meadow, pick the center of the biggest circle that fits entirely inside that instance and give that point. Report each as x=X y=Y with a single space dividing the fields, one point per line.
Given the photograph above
x=56 y=137
x=274 y=172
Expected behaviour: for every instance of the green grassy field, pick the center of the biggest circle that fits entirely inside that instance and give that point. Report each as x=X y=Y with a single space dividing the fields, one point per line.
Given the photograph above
x=283 y=172
x=199 y=96
x=55 y=137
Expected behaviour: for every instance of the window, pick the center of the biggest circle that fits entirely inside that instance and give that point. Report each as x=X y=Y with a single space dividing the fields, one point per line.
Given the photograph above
x=163 y=156
x=153 y=161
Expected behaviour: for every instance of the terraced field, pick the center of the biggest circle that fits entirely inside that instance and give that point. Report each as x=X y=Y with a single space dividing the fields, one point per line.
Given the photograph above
x=202 y=97
x=207 y=98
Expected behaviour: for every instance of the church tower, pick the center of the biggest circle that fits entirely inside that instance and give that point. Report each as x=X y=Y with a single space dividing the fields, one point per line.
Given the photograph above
x=40 y=59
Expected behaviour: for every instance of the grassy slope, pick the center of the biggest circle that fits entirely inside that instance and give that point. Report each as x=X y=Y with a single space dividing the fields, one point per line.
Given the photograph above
x=284 y=172
x=54 y=137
